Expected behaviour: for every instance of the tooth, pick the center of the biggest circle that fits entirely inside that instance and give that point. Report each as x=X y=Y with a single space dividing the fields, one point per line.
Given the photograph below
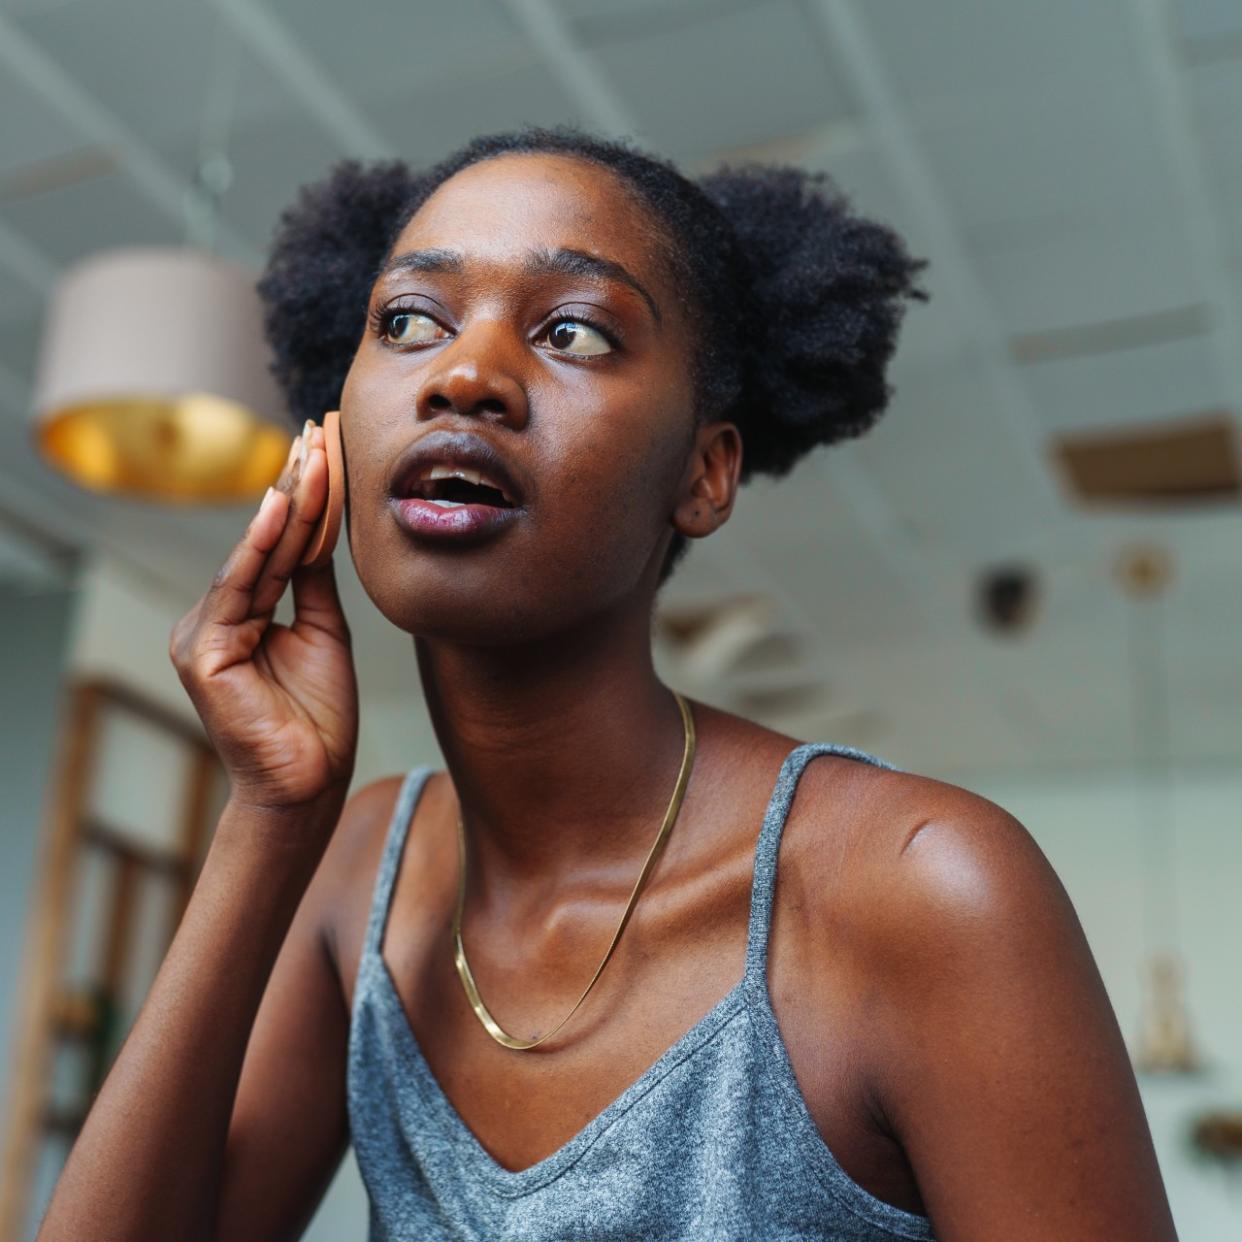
x=457 y=472
x=460 y=472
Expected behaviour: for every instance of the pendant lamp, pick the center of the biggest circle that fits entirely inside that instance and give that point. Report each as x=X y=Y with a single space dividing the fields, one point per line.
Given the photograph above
x=153 y=380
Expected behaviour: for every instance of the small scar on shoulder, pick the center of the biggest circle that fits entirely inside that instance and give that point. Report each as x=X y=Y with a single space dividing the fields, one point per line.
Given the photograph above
x=912 y=833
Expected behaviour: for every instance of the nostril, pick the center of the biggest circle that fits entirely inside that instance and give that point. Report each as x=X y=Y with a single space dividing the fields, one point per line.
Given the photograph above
x=439 y=402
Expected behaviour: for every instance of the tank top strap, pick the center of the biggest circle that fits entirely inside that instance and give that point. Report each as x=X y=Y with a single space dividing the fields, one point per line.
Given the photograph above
x=390 y=861
x=763 y=886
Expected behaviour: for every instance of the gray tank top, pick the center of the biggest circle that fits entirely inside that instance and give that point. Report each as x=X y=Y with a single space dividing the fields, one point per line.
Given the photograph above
x=714 y=1141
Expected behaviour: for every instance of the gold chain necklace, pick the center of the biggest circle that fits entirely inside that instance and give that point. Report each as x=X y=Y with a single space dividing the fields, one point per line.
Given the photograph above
x=490 y=1025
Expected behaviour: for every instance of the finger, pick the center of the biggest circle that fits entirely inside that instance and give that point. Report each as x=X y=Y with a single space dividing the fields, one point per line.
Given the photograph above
x=230 y=598
x=309 y=494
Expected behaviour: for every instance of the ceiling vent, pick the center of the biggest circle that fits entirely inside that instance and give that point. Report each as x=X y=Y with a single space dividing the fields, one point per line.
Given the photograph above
x=1191 y=461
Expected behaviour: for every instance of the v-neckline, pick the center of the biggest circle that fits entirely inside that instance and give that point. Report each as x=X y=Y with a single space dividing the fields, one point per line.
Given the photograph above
x=544 y=1170
x=513 y=1182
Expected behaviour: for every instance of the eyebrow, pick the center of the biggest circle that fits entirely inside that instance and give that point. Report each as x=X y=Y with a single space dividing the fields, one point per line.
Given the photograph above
x=562 y=262
x=422 y=261
x=567 y=262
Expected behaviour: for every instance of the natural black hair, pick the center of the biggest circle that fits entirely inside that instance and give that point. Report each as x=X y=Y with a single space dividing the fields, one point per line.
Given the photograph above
x=795 y=300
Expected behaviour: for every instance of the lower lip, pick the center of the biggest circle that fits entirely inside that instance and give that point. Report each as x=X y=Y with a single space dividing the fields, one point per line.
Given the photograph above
x=423 y=517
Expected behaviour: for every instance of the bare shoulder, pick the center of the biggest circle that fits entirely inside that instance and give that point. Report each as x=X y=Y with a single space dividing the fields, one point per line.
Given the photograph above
x=919 y=855
x=933 y=882
x=990 y=1045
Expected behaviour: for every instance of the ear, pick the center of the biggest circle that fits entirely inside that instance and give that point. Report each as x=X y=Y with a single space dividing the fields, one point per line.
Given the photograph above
x=710 y=483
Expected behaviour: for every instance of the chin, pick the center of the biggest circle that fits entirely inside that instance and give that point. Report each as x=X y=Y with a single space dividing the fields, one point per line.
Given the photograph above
x=499 y=592
x=443 y=600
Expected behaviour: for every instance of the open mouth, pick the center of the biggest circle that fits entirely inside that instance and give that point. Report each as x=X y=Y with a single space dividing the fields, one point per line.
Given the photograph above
x=451 y=493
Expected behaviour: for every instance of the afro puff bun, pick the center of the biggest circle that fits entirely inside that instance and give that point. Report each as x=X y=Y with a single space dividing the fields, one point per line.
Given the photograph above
x=796 y=300
x=819 y=321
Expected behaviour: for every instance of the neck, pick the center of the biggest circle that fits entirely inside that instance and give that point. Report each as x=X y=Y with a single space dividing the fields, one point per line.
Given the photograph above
x=562 y=753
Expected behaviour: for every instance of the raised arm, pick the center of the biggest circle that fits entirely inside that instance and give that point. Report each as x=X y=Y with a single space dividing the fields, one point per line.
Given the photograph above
x=157 y=1158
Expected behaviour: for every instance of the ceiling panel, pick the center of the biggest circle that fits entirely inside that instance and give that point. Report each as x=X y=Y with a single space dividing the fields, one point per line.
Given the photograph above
x=40 y=138
x=19 y=301
x=77 y=220
x=1090 y=274
x=943 y=455
x=95 y=40
x=19 y=347
x=1126 y=386
x=269 y=161
x=612 y=19
x=1216 y=93
x=1045 y=166
x=1032 y=117
x=374 y=50
x=981 y=48
x=428 y=122
x=1207 y=19
x=730 y=79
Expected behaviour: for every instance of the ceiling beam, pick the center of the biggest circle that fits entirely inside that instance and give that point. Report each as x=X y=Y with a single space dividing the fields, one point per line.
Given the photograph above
x=573 y=66
x=159 y=183
x=305 y=79
x=1179 y=136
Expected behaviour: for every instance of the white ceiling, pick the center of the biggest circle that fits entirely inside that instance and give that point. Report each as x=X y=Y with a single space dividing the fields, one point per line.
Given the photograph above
x=1072 y=170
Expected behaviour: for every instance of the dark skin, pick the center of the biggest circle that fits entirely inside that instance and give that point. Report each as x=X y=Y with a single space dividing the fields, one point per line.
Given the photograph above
x=944 y=1018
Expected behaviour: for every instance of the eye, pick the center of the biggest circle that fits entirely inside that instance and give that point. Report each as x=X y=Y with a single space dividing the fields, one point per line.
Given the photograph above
x=572 y=336
x=411 y=328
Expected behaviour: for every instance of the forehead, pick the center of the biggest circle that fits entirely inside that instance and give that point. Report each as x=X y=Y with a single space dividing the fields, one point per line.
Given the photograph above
x=505 y=207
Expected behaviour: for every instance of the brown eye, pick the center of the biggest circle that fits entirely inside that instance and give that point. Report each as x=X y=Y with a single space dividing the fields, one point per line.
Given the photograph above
x=412 y=328
x=571 y=336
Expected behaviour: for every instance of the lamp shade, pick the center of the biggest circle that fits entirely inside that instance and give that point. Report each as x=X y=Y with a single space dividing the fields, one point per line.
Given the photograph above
x=153 y=379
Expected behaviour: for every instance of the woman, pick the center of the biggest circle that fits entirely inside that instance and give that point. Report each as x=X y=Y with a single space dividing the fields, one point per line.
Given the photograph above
x=849 y=1002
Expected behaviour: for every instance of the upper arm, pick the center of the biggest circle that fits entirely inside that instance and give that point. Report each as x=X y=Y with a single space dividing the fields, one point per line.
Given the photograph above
x=289 y=1127
x=999 y=1062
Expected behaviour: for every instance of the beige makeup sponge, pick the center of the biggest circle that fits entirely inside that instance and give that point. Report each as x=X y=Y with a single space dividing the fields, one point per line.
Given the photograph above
x=323 y=540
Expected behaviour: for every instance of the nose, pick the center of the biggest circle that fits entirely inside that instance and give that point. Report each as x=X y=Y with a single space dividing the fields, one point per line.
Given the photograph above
x=475 y=374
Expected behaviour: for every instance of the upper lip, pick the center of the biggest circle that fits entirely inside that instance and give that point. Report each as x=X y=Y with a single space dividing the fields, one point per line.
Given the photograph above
x=452 y=448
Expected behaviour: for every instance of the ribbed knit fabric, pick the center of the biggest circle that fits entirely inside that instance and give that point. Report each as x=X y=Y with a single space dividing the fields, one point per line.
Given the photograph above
x=714 y=1141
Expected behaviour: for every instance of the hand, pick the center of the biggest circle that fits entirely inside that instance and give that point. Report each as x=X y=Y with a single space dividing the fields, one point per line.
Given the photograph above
x=280 y=703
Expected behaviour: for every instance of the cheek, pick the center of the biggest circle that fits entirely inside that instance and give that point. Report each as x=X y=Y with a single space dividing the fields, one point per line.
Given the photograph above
x=615 y=481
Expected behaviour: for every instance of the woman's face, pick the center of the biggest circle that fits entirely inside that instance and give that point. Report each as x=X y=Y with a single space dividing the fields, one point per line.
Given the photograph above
x=526 y=305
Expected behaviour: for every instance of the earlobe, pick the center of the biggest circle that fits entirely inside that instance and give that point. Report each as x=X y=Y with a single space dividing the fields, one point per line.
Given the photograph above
x=711 y=481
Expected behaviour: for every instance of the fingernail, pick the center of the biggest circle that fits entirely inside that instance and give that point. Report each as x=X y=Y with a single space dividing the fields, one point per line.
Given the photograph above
x=301 y=452
x=293 y=451
x=266 y=502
